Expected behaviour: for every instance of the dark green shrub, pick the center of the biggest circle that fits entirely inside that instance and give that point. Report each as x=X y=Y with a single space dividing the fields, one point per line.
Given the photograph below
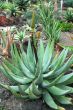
x=22 y=4
x=65 y=26
x=68 y=3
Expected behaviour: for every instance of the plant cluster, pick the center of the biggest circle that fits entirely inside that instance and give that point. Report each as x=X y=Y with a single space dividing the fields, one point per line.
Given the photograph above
x=65 y=26
x=9 y=8
x=6 y=5
x=9 y=37
x=20 y=36
x=50 y=24
x=69 y=15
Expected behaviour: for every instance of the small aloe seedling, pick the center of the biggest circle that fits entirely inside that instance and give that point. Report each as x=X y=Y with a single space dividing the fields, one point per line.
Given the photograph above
x=20 y=36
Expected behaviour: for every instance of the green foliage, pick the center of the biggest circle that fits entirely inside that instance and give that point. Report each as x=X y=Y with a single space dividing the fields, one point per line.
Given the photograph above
x=69 y=15
x=10 y=8
x=14 y=11
x=65 y=26
x=43 y=77
x=5 y=5
x=22 y=4
x=51 y=26
x=20 y=36
x=68 y=3
x=2 y=108
x=1 y=4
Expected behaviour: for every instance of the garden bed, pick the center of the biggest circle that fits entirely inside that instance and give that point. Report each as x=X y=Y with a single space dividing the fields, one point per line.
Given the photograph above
x=37 y=71
x=11 y=21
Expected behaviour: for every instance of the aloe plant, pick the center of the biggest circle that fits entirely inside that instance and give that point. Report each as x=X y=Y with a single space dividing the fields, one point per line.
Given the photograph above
x=20 y=36
x=51 y=26
x=43 y=77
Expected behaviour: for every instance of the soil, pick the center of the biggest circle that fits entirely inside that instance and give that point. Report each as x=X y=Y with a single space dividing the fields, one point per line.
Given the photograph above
x=11 y=21
x=66 y=39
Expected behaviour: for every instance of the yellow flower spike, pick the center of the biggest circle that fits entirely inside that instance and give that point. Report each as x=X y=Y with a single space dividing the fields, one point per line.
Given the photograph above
x=38 y=34
x=33 y=21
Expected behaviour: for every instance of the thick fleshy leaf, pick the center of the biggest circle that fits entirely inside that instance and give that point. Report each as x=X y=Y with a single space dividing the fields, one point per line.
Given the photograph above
x=66 y=66
x=57 y=91
x=61 y=108
x=36 y=90
x=22 y=88
x=4 y=85
x=63 y=99
x=58 y=61
x=66 y=88
x=48 y=73
x=15 y=55
x=51 y=82
x=40 y=54
x=18 y=95
x=30 y=57
x=38 y=74
x=21 y=80
x=5 y=72
x=25 y=70
x=45 y=83
x=48 y=56
x=13 y=68
x=30 y=93
x=54 y=81
x=14 y=88
x=49 y=100
x=24 y=58
x=66 y=79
